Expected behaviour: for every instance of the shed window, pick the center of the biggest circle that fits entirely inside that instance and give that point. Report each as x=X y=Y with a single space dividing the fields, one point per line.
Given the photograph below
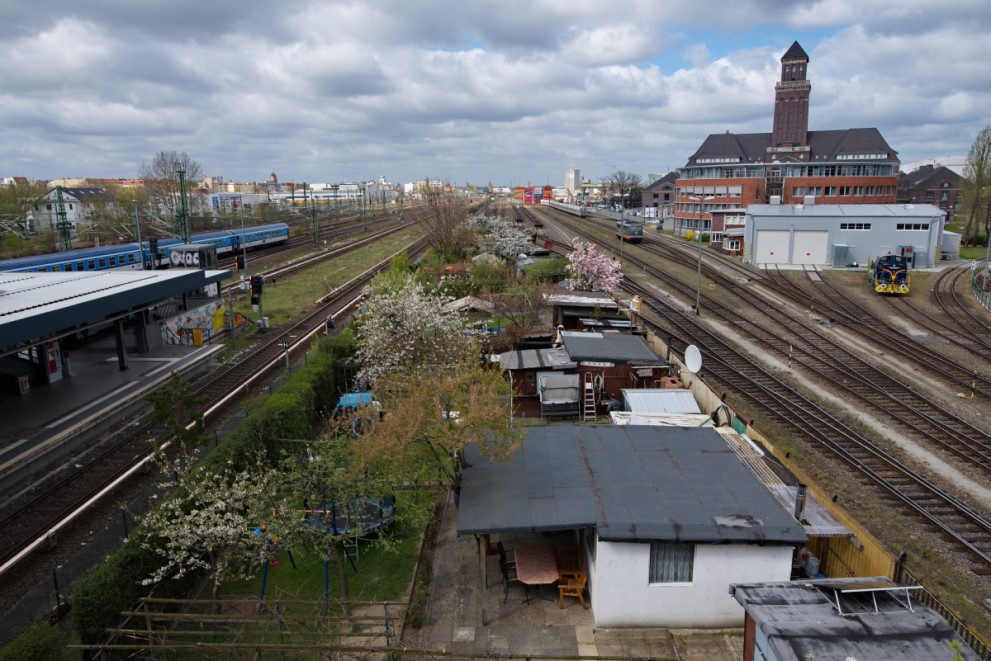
x=671 y=562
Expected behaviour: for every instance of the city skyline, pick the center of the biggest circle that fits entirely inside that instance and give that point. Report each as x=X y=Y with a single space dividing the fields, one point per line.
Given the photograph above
x=508 y=93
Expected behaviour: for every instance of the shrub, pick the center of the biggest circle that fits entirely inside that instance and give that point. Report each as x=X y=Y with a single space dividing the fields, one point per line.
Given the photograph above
x=40 y=642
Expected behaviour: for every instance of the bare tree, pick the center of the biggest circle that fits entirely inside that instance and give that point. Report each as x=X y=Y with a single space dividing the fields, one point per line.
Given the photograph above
x=446 y=223
x=160 y=177
x=623 y=186
x=977 y=186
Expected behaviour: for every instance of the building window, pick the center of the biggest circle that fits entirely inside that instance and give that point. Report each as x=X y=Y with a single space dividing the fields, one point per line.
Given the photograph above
x=671 y=562
x=912 y=227
x=830 y=191
x=845 y=191
x=858 y=191
x=733 y=244
x=855 y=226
x=798 y=191
x=870 y=190
x=815 y=191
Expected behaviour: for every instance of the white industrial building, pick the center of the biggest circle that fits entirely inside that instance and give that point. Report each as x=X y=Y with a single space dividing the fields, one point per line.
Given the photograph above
x=842 y=234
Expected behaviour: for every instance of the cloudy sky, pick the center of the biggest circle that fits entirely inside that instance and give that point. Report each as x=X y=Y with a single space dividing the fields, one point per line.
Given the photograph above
x=469 y=91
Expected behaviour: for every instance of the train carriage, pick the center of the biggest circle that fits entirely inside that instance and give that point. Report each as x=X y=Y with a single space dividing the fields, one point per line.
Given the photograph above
x=133 y=256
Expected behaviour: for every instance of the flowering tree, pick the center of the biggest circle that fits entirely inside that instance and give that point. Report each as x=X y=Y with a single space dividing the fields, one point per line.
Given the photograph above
x=591 y=271
x=209 y=523
x=433 y=415
x=501 y=237
x=403 y=328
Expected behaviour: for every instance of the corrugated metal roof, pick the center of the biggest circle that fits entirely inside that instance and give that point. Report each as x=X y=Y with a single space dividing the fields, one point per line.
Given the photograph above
x=632 y=483
x=587 y=299
x=661 y=419
x=659 y=400
x=611 y=347
x=816 y=519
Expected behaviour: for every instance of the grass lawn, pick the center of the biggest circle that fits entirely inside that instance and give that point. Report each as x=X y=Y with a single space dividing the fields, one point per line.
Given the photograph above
x=384 y=568
x=291 y=295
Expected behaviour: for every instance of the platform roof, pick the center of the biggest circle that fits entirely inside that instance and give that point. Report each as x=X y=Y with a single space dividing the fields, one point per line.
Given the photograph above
x=37 y=306
x=631 y=483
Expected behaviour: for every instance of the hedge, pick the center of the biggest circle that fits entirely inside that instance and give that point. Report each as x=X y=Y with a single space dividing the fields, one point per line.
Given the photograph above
x=39 y=642
x=290 y=413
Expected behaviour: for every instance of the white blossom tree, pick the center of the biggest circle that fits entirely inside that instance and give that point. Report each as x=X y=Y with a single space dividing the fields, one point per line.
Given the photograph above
x=403 y=327
x=209 y=523
x=500 y=236
x=591 y=271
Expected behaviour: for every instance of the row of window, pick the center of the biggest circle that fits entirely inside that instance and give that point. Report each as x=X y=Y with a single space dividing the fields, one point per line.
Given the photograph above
x=913 y=227
x=855 y=226
x=792 y=170
x=90 y=264
x=842 y=191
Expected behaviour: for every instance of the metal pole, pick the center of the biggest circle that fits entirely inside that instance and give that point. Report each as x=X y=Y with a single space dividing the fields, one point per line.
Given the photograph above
x=244 y=248
x=137 y=226
x=698 y=288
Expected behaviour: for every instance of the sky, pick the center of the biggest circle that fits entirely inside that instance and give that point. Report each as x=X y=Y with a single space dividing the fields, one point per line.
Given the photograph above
x=468 y=91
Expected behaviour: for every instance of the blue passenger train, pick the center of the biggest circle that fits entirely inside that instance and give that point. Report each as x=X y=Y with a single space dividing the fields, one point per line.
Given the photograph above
x=134 y=256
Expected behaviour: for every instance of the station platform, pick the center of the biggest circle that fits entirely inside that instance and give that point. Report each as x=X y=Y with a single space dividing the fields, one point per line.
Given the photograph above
x=50 y=424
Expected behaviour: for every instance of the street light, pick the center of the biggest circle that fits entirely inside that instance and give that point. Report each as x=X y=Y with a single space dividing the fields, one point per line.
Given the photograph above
x=244 y=248
x=698 y=238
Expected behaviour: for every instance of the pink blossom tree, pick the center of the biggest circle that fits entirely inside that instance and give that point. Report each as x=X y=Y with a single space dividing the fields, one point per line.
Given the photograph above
x=591 y=271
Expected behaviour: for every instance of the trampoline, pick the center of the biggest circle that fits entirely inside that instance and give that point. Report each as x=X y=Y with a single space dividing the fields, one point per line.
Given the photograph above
x=360 y=517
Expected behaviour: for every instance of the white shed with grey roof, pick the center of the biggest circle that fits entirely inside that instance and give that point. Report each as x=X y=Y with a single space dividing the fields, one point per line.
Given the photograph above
x=842 y=234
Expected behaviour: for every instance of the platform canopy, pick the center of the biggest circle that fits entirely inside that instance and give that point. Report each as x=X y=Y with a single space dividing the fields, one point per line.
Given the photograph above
x=36 y=307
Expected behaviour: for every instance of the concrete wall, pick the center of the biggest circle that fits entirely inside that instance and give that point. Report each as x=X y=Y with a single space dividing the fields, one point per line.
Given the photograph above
x=622 y=596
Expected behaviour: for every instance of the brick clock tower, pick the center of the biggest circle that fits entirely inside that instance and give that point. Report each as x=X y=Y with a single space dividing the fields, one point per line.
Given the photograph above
x=789 y=137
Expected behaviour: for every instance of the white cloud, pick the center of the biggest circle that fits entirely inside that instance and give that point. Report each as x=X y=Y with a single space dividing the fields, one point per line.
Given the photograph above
x=499 y=90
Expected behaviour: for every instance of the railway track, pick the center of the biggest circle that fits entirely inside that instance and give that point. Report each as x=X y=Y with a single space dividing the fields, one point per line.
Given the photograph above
x=756 y=389
x=28 y=522
x=831 y=301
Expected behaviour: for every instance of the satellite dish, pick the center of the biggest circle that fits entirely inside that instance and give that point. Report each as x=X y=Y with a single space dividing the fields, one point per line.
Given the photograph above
x=693 y=359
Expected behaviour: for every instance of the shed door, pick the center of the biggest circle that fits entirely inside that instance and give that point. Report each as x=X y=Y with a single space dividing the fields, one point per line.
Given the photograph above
x=810 y=248
x=772 y=247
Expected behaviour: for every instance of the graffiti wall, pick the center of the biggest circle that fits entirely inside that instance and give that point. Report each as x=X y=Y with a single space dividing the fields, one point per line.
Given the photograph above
x=209 y=320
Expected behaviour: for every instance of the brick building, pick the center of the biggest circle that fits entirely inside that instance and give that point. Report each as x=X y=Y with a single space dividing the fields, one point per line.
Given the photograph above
x=657 y=199
x=931 y=184
x=792 y=164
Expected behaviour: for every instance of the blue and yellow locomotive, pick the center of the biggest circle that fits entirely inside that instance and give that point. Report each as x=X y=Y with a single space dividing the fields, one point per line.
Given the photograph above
x=889 y=275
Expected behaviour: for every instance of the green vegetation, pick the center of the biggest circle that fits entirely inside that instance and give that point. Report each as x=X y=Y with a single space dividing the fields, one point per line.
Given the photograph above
x=40 y=642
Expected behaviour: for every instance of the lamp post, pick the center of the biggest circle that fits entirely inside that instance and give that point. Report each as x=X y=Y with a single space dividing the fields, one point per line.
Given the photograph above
x=244 y=248
x=698 y=238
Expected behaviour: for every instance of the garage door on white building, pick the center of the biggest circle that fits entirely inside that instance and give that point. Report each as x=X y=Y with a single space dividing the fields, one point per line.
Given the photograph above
x=772 y=247
x=810 y=248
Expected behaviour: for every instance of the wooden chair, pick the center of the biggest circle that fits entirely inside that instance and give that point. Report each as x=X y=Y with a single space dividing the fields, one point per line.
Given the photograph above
x=572 y=586
x=569 y=559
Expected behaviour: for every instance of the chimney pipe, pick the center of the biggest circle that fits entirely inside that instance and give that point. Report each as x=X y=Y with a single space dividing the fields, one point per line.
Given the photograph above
x=800 y=502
